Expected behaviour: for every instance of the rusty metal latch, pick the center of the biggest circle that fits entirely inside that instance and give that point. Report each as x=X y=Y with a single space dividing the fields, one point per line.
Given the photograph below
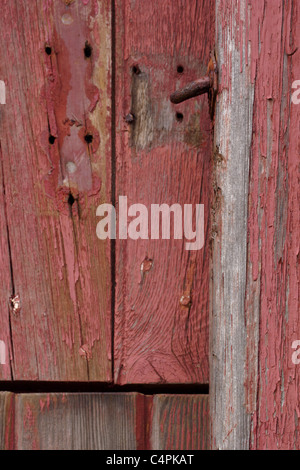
x=207 y=84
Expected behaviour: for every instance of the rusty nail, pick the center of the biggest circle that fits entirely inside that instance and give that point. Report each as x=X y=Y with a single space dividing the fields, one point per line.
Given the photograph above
x=207 y=84
x=129 y=118
x=196 y=88
x=186 y=301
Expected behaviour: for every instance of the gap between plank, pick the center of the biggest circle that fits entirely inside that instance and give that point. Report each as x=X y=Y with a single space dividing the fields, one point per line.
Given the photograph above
x=99 y=387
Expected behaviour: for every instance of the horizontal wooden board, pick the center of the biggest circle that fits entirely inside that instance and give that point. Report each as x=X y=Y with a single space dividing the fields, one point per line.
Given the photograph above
x=75 y=422
x=103 y=421
x=55 y=170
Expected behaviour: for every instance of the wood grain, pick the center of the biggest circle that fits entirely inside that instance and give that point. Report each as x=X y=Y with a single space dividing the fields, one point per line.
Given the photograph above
x=60 y=270
x=6 y=421
x=180 y=422
x=254 y=389
x=103 y=421
x=233 y=132
x=161 y=315
x=75 y=422
x=5 y=282
x=274 y=233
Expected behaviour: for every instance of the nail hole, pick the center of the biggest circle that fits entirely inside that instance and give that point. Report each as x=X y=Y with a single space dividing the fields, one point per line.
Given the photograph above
x=71 y=200
x=136 y=70
x=48 y=50
x=88 y=50
x=51 y=139
x=180 y=69
x=179 y=117
x=88 y=138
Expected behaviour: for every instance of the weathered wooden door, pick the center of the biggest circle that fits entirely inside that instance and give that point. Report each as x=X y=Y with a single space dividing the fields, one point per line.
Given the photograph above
x=88 y=121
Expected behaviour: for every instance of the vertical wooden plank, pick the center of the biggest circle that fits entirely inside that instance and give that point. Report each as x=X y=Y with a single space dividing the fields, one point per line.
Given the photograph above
x=233 y=131
x=274 y=234
x=6 y=421
x=76 y=421
x=55 y=152
x=161 y=314
x=5 y=283
x=180 y=422
x=257 y=320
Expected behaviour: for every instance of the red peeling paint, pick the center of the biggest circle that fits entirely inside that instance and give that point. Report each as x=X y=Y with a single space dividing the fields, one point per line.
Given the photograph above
x=57 y=171
x=161 y=160
x=264 y=36
x=9 y=437
x=274 y=217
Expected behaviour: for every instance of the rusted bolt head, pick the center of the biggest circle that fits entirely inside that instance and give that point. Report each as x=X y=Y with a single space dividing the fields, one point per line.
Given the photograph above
x=186 y=300
x=129 y=118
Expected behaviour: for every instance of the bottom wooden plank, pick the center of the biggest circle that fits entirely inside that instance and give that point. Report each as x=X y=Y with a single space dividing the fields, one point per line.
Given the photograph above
x=75 y=422
x=103 y=421
x=6 y=421
x=180 y=422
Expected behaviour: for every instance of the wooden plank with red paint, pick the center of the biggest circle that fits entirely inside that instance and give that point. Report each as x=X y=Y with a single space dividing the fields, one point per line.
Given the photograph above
x=274 y=233
x=6 y=421
x=162 y=157
x=64 y=421
x=255 y=289
x=5 y=284
x=233 y=133
x=180 y=422
x=104 y=421
x=55 y=156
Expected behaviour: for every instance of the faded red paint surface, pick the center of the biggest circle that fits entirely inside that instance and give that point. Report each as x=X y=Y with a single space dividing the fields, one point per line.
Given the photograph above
x=259 y=44
x=161 y=316
x=274 y=239
x=181 y=422
x=55 y=276
x=121 y=421
x=54 y=175
x=144 y=417
x=56 y=169
x=5 y=278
